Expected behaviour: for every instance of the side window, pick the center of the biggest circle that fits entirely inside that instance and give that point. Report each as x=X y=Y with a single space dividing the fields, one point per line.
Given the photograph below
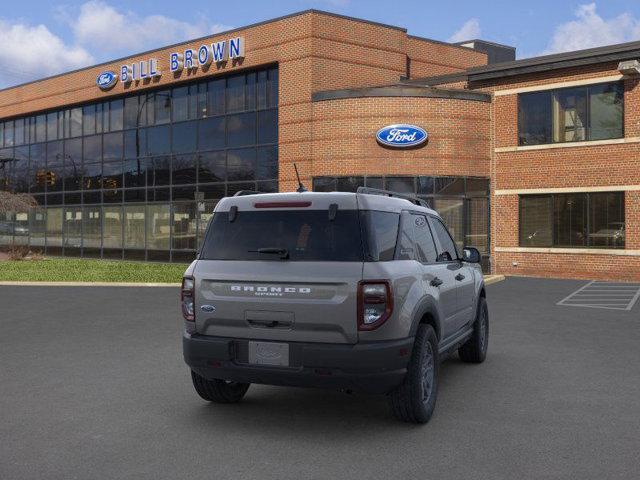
x=405 y=249
x=447 y=251
x=425 y=246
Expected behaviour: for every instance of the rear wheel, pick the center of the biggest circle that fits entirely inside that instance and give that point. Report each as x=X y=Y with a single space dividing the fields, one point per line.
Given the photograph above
x=219 y=391
x=415 y=400
x=475 y=349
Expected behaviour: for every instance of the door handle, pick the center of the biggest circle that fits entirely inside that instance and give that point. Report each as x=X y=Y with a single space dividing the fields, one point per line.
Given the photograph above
x=436 y=282
x=459 y=277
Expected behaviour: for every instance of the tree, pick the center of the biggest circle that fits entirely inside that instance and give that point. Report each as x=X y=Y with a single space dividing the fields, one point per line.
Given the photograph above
x=16 y=202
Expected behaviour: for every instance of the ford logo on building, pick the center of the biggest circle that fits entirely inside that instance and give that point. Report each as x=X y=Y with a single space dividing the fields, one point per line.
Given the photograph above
x=401 y=136
x=106 y=80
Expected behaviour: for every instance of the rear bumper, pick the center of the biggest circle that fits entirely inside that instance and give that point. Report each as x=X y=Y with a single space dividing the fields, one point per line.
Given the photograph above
x=375 y=367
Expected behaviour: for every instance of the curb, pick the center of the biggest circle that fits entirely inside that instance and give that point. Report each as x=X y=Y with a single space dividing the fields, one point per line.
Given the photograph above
x=88 y=284
x=489 y=279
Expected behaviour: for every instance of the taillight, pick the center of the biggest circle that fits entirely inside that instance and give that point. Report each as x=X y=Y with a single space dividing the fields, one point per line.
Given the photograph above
x=375 y=303
x=187 y=299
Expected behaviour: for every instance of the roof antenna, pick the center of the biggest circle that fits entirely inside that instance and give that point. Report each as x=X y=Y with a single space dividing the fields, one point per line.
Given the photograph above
x=301 y=188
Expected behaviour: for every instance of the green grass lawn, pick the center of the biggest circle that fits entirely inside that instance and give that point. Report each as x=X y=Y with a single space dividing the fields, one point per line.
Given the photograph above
x=84 y=270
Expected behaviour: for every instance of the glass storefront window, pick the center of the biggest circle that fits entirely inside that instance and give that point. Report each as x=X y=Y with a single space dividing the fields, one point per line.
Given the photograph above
x=184 y=226
x=134 y=226
x=606 y=220
x=400 y=184
x=536 y=217
x=212 y=133
x=159 y=140
x=477 y=232
x=98 y=167
x=595 y=220
x=112 y=227
x=37 y=226
x=184 y=137
x=54 y=227
x=241 y=130
x=21 y=228
x=158 y=227
x=6 y=228
x=72 y=229
x=452 y=212
x=162 y=107
x=570 y=218
x=575 y=114
x=92 y=227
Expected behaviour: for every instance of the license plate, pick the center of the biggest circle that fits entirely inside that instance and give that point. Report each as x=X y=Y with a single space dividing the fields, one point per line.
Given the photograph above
x=269 y=353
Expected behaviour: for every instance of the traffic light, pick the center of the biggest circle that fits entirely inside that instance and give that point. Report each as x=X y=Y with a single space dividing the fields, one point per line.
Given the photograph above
x=51 y=178
x=41 y=178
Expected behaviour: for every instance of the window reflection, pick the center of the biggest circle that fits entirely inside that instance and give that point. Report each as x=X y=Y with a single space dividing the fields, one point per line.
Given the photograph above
x=99 y=167
x=158 y=227
x=112 y=227
x=184 y=226
x=134 y=226
x=92 y=227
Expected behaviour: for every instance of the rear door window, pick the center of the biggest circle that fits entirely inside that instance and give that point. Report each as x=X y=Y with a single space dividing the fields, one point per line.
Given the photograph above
x=406 y=240
x=425 y=246
x=447 y=248
x=306 y=235
x=381 y=233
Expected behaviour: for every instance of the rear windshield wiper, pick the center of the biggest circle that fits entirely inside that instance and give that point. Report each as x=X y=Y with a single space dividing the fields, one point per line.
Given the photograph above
x=283 y=252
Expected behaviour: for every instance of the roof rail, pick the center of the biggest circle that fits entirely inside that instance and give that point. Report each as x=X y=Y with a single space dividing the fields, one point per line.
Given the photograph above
x=388 y=193
x=242 y=193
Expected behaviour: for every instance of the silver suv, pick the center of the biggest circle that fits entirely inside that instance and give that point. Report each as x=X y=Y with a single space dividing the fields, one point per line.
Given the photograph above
x=358 y=291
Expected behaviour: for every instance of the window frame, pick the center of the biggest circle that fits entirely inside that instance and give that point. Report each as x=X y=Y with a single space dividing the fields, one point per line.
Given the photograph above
x=588 y=196
x=552 y=93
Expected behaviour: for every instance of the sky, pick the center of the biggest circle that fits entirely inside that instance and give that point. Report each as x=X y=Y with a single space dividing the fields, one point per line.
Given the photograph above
x=39 y=38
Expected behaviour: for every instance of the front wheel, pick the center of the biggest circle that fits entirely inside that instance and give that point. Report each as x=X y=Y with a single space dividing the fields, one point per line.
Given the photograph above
x=218 y=391
x=415 y=400
x=475 y=349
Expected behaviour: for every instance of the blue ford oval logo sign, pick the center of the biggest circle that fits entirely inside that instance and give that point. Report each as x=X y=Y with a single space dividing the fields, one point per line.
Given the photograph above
x=401 y=136
x=106 y=80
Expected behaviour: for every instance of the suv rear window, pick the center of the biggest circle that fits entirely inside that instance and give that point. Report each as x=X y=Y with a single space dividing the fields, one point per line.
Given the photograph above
x=307 y=235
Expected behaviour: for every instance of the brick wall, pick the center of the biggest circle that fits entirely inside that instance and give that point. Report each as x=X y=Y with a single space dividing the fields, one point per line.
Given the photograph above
x=315 y=52
x=587 y=166
x=344 y=137
x=429 y=58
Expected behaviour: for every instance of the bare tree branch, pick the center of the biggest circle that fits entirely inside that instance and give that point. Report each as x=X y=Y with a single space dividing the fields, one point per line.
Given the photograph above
x=16 y=202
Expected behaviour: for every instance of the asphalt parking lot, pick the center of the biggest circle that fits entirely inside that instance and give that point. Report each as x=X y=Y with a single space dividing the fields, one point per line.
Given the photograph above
x=92 y=385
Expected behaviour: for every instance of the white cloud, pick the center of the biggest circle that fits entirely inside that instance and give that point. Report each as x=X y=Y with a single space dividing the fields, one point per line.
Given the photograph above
x=28 y=52
x=98 y=32
x=591 y=30
x=104 y=29
x=469 y=31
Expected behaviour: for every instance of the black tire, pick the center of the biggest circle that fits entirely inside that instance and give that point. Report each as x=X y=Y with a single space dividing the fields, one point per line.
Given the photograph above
x=415 y=400
x=219 y=391
x=475 y=349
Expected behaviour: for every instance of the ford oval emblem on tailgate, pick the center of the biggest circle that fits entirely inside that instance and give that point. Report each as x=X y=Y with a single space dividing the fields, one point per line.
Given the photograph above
x=208 y=308
x=401 y=136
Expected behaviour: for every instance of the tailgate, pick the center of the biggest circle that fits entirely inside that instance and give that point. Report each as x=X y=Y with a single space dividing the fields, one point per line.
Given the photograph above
x=278 y=300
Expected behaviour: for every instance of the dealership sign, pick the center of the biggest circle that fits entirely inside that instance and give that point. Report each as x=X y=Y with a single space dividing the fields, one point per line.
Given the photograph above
x=401 y=136
x=106 y=80
x=189 y=59
x=216 y=52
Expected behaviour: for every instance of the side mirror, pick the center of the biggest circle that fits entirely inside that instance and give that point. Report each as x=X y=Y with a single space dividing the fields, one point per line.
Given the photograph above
x=471 y=255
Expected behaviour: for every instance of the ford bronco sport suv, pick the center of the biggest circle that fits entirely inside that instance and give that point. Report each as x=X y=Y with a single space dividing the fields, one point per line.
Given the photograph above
x=358 y=291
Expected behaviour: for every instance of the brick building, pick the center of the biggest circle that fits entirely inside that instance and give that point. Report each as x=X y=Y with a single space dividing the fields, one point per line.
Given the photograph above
x=531 y=161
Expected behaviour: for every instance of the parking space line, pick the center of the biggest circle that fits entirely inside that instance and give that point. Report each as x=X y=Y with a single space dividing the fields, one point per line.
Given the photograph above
x=612 y=296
